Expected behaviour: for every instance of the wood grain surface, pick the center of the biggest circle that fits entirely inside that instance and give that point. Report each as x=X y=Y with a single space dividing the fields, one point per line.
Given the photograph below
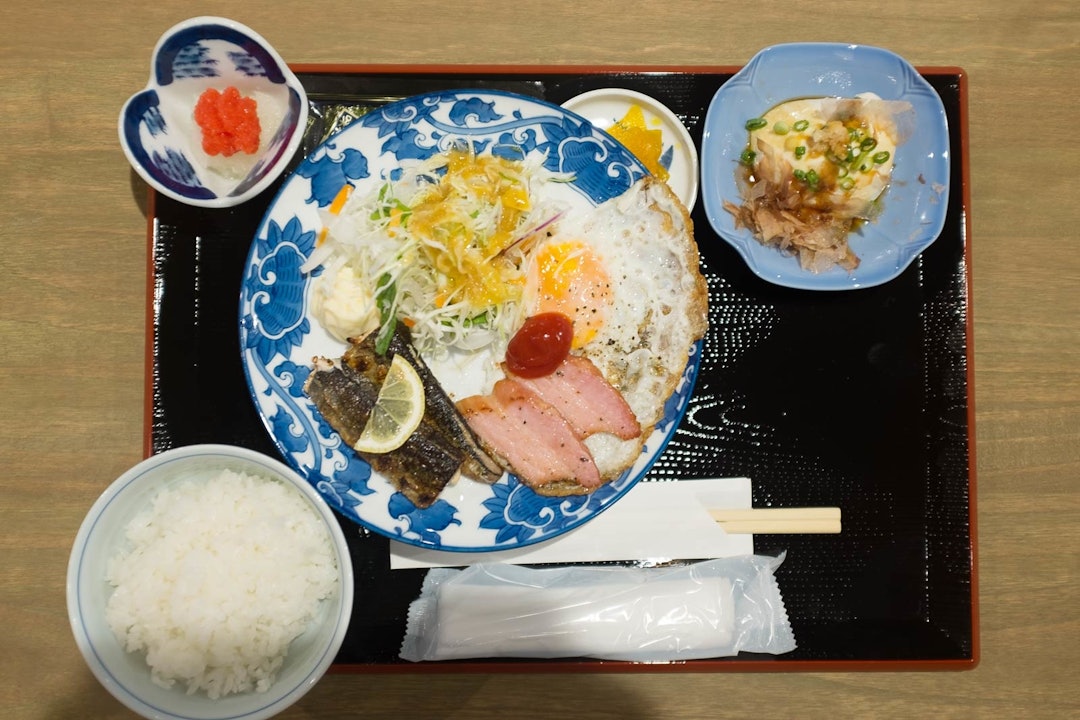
x=72 y=302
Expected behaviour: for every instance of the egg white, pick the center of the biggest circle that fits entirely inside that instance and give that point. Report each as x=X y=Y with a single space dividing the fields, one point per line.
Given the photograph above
x=657 y=309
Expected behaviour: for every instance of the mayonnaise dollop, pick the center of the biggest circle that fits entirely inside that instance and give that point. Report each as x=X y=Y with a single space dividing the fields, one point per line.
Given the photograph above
x=344 y=304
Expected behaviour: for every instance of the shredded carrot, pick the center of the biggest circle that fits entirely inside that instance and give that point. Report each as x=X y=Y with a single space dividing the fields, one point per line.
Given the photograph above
x=335 y=209
x=339 y=199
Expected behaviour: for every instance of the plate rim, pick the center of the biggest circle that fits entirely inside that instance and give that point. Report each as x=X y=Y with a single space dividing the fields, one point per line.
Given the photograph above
x=688 y=378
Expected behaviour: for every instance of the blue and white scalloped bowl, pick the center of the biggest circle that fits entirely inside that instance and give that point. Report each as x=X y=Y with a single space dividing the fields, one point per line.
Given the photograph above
x=279 y=336
x=917 y=199
x=157 y=125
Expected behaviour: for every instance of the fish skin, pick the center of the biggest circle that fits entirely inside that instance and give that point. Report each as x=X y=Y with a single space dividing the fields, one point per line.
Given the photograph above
x=441 y=447
x=440 y=411
x=344 y=400
x=419 y=469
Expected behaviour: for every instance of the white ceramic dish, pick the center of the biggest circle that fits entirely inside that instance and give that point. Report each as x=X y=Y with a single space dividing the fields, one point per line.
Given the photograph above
x=158 y=131
x=126 y=675
x=606 y=106
x=916 y=202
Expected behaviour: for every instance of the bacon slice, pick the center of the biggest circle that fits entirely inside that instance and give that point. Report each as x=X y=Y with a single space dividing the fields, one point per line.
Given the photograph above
x=578 y=391
x=530 y=437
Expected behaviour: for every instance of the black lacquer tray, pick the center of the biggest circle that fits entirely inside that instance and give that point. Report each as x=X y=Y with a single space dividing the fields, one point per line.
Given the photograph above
x=858 y=399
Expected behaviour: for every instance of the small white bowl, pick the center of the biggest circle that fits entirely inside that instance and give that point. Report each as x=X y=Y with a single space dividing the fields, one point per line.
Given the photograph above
x=158 y=131
x=126 y=675
x=606 y=106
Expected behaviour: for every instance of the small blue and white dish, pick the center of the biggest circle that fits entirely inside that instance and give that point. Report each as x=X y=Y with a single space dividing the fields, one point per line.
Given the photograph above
x=916 y=201
x=161 y=138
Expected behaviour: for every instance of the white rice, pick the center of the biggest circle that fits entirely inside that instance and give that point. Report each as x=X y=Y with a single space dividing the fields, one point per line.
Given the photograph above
x=220 y=576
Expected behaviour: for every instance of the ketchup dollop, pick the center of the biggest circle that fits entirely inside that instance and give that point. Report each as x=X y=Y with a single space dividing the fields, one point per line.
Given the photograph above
x=540 y=346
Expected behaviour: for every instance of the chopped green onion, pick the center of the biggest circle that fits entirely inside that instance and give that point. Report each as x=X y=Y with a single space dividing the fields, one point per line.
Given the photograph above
x=868 y=144
x=756 y=123
x=800 y=151
x=747 y=157
x=847 y=183
x=841 y=171
x=810 y=177
x=881 y=157
x=781 y=128
x=801 y=125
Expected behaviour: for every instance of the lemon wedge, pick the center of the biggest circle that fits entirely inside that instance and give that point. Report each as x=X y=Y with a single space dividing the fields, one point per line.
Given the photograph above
x=398 y=410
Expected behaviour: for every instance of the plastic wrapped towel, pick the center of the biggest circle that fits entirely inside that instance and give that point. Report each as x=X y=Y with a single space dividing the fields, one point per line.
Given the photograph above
x=709 y=609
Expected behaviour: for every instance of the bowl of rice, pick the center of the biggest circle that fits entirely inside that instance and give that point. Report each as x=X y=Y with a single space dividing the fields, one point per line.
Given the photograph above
x=209 y=582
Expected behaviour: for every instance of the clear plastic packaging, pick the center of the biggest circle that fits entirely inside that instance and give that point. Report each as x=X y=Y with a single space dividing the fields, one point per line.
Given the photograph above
x=708 y=609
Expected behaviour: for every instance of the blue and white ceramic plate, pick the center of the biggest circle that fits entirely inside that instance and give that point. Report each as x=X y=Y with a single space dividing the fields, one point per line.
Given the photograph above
x=917 y=199
x=279 y=337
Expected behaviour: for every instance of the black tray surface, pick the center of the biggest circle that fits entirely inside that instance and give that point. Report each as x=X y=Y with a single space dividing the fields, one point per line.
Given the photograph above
x=857 y=399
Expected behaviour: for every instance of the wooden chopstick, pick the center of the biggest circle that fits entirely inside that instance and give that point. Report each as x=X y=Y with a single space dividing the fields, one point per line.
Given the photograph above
x=817 y=520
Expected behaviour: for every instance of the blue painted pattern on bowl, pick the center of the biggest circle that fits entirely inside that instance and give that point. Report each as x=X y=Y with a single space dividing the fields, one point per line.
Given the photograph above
x=157 y=126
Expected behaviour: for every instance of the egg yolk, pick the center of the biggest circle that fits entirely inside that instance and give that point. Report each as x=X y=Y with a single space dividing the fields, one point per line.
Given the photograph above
x=570 y=279
x=646 y=144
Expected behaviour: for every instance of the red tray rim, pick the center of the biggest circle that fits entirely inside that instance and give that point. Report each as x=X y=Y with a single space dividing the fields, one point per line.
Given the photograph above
x=711 y=665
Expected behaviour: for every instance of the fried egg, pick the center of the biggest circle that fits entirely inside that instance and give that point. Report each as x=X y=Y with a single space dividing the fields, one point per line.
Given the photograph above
x=626 y=273
x=567 y=276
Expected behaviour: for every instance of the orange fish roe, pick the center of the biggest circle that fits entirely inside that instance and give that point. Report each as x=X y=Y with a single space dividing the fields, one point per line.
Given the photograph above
x=229 y=122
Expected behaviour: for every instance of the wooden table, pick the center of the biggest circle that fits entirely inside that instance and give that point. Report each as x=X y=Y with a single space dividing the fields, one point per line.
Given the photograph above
x=72 y=327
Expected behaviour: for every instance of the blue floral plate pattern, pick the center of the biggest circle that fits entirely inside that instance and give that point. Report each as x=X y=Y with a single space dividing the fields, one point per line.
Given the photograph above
x=917 y=199
x=278 y=337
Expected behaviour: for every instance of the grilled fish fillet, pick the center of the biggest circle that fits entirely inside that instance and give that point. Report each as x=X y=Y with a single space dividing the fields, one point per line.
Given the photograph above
x=345 y=391
x=478 y=465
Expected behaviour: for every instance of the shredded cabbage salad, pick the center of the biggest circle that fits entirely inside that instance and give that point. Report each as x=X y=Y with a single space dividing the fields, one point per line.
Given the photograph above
x=442 y=248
